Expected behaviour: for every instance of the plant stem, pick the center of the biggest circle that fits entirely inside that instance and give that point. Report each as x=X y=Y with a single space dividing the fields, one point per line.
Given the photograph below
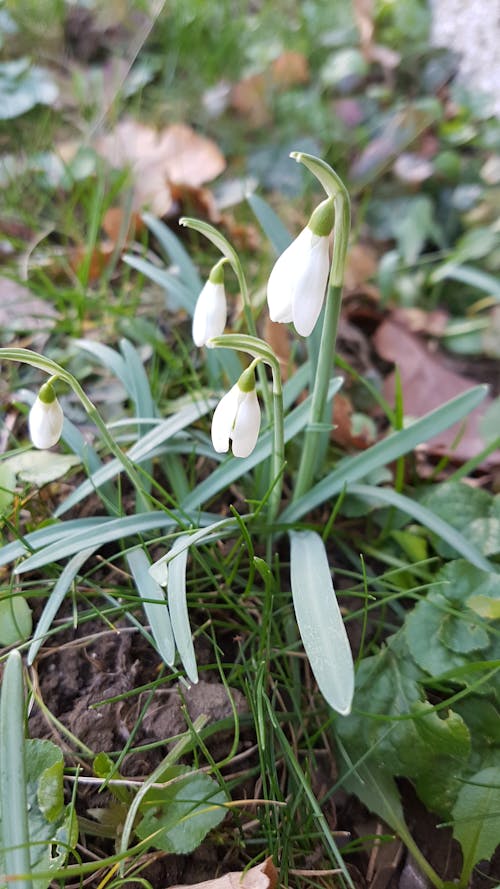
x=326 y=358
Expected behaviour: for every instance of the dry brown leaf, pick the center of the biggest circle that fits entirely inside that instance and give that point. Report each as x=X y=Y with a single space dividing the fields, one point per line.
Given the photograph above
x=119 y=229
x=263 y=876
x=343 y=433
x=426 y=385
x=177 y=155
x=278 y=337
x=99 y=259
x=250 y=97
x=290 y=69
x=361 y=265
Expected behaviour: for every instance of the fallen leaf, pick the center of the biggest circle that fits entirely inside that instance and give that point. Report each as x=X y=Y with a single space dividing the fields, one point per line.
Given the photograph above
x=351 y=430
x=361 y=265
x=290 y=69
x=278 y=337
x=41 y=467
x=399 y=131
x=119 y=229
x=176 y=155
x=250 y=97
x=20 y=310
x=99 y=259
x=262 y=876
x=426 y=385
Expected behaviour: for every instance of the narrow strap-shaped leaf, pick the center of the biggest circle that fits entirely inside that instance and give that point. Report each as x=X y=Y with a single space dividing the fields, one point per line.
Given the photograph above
x=177 y=606
x=36 y=539
x=270 y=223
x=55 y=601
x=154 y=604
x=183 y=296
x=159 y=569
x=352 y=469
x=175 y=251
x=140 y=451
x=15 y=830
x=111 y=359
x=427 y=518
x=320 y=621
x=106 y=532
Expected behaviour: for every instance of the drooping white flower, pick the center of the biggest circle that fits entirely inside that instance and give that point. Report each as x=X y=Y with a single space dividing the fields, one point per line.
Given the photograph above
x=297 y=284
x=210 y=312
x=237 y=418
x=45 y=419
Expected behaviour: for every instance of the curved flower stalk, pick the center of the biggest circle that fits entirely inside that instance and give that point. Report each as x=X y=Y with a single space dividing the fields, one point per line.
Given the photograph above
x=297 y=284
x=210 y=313
x=46 y=418
x=237 y=417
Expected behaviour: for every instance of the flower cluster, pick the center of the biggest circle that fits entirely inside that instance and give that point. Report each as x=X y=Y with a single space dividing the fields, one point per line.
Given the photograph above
x=295 y=293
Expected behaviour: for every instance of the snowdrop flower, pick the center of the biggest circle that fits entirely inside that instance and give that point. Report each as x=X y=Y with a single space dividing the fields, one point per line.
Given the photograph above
x=210 y=312
x=237 y=417
x=297 y=284
x=45 y=419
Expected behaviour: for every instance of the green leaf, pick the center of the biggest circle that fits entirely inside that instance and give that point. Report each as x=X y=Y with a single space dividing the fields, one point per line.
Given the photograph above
x=393 y=729
x=468 y=274
x=477 y=818
x=178 y=816
x=7 y=488
x=319 y=620
x=22 y=86
x=443 y=633
x=15 y=619
x=472 y=511
x=377 y=790
x=270 y=223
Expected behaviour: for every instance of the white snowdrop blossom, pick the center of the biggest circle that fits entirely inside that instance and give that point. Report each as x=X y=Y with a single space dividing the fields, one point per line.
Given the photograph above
x=297 y=284
x=45 y=419
x=210 y=312
x=237 y=419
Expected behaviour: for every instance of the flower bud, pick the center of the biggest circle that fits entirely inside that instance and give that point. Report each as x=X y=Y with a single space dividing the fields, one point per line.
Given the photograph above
x=45 y=419
x=210 y=312
x=237 y=418
x=298 y=281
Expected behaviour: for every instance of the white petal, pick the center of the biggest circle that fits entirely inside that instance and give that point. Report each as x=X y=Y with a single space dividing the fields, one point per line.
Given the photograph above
x=45 y=423
x=310 y=286
x=223 y=419
x=247 y=425
x=281 y=284
x=210 y=313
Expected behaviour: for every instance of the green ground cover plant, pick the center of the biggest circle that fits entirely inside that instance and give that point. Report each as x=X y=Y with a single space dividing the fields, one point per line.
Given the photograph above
x=189 y=522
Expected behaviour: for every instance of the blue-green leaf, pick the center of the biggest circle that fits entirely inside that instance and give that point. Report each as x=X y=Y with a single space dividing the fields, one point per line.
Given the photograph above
x=320 y=621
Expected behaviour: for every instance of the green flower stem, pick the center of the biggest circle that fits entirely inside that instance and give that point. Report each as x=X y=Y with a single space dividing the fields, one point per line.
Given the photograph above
x=57 y=372
x=232 y=257
x=260 y=350
x=336 y=189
